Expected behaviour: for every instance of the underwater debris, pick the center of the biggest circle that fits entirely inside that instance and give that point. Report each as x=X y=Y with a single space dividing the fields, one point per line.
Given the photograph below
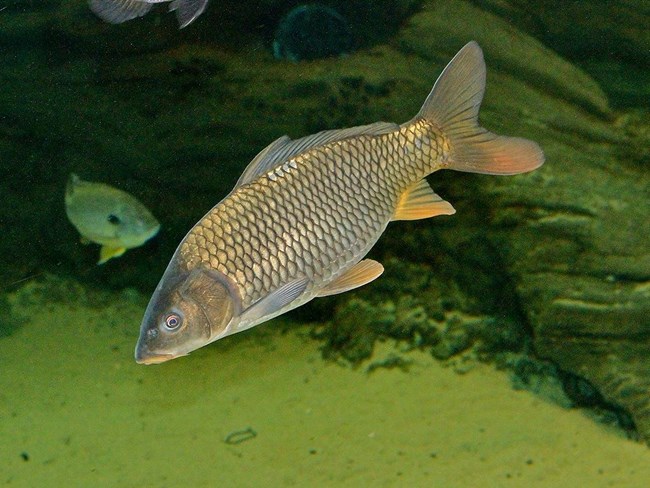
x=118 y=11
x=312 y=32
x=239 y=436
x=107 y=216
x=390 y=362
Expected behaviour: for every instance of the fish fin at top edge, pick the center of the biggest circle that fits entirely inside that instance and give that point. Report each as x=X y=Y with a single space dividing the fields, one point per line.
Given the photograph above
x=453 y=106
x=420 y=202
x=360 y=274
x=118 y=11
x=284 y=148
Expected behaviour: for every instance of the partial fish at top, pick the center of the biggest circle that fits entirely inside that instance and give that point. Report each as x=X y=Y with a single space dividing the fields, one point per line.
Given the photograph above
x=305 y=212
x=118 y=11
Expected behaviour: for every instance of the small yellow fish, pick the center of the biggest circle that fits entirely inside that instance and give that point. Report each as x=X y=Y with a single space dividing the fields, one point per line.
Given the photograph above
x=305 y=212
x=118 y=11
x=108 y=216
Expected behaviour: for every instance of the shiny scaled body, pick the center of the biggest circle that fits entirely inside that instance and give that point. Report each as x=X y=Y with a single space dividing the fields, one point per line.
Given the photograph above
x=314 y=215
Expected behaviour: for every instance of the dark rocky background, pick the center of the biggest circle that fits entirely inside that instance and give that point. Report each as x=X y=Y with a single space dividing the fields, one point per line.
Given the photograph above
x=548 y=272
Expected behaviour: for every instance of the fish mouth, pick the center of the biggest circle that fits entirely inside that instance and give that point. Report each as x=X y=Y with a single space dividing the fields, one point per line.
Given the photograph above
x=145 y=357
x=157 y=359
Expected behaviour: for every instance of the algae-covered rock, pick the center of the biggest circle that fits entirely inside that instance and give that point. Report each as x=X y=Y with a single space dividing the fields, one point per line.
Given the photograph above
x=423 y=309
x=573 y=235
x=582 y=28
x=569 y=238
x=609 y=39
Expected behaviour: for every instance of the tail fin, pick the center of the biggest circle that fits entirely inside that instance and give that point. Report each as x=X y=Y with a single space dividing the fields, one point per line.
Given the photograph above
x=453 y=106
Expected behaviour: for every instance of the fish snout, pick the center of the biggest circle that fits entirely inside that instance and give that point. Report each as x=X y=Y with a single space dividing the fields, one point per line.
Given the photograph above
x=145 y=356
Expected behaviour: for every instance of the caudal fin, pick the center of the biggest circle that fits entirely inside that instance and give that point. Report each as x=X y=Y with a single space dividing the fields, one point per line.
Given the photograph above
x=453 y=105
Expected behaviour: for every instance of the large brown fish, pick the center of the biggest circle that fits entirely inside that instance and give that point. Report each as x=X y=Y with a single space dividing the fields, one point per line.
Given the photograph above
x=305 y=212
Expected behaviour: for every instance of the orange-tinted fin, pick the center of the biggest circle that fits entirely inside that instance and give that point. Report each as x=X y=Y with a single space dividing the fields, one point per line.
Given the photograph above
x=360 y=274
x=420 y=202
x=453 y=106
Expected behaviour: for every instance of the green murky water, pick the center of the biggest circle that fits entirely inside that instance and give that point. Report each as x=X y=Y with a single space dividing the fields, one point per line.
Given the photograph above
x=507 y=343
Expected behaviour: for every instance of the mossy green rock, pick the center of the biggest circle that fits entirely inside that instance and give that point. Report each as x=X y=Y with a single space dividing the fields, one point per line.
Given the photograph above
x=608 y=39
x=573 y=235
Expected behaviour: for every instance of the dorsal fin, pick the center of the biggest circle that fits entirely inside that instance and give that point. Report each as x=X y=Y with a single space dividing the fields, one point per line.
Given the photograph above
x=263 y=162
x=284 y=148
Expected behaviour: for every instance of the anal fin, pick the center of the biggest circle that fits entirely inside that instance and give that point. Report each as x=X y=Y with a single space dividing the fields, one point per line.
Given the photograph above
x=360 y=274
x=420 y=202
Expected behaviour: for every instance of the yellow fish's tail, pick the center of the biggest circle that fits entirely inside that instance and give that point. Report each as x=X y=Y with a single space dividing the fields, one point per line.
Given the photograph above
x=453 y=107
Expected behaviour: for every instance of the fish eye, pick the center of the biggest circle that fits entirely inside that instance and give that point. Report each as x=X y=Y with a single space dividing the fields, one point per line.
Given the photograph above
x=173 y=321
x=114 y=219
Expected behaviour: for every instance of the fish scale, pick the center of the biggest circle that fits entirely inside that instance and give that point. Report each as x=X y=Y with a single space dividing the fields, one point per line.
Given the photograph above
x=313 y=196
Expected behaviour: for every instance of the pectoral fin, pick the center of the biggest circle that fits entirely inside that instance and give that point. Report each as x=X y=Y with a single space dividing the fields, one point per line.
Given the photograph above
x=106 y=253
x=276 y=300
x=420 y=202
x=360 y=274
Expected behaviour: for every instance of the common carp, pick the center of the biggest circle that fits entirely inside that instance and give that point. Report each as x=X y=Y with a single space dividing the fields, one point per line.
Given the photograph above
x=305 y=212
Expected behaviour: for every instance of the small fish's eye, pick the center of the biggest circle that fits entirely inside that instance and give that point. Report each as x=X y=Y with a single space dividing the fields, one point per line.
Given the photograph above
x=114 y=219
x=173 y=321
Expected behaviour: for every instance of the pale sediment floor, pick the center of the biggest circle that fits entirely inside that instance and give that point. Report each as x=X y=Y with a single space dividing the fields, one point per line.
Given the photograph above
x=75 y=410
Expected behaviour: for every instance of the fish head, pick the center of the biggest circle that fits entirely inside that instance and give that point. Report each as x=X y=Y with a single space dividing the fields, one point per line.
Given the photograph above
x=107 y=215
x=189 y=309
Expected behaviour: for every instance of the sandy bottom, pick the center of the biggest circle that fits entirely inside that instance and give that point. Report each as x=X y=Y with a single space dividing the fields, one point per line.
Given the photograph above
x=75 y=410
